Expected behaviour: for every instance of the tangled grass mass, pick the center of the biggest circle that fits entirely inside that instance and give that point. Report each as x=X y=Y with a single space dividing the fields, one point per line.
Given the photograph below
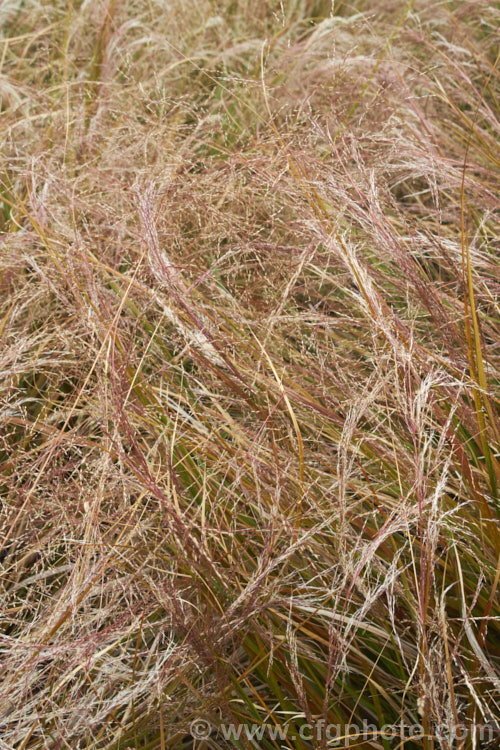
x=249 y=372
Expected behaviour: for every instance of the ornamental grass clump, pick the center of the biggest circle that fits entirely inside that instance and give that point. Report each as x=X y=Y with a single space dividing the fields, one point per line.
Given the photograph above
x=249 y=374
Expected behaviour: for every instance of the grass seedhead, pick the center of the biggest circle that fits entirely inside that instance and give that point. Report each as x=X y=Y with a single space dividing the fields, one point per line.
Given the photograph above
x=249 y=375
